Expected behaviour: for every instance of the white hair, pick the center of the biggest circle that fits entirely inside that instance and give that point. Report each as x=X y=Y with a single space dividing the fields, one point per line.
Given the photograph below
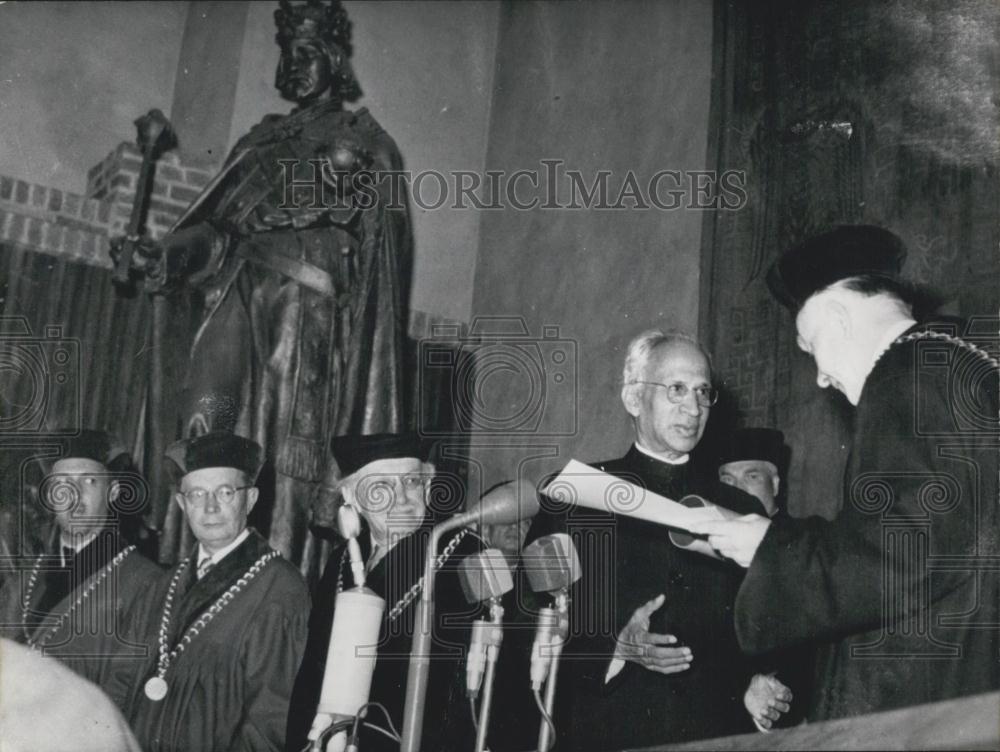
x=642 y=346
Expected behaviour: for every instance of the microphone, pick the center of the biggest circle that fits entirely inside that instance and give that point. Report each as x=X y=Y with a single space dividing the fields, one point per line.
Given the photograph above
x=485 y=577
x=552 y=565
x=350 y=659
x=492 y=509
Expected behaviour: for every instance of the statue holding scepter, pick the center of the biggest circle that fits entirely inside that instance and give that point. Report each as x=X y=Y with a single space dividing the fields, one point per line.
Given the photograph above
x=303 y=281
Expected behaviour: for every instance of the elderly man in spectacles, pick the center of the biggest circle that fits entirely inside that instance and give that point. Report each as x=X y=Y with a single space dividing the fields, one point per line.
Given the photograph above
x=387 y=484
x=228 y=627
x=660 y=662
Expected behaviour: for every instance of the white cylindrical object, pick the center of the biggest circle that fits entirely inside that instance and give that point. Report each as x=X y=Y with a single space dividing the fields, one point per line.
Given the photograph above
x=350 y=660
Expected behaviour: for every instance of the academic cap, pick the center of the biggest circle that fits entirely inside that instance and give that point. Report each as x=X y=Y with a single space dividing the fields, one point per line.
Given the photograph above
x=821 y=260
x=217 y=449
x=354 y=452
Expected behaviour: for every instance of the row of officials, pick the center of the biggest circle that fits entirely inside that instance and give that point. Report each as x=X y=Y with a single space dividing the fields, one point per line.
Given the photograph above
x=570 y=628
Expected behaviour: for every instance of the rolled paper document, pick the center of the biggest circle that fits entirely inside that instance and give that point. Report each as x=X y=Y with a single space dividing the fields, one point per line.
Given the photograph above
x=586 y=486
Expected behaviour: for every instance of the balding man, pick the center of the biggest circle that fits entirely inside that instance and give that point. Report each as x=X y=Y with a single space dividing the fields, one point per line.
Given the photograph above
x=653 y=657
x=894 y=589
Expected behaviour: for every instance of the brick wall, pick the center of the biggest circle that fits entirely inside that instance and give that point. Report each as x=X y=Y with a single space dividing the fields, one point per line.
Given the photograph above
x=77 y=226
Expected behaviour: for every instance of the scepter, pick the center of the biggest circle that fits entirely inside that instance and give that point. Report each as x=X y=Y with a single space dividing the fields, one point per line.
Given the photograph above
x=153 y=137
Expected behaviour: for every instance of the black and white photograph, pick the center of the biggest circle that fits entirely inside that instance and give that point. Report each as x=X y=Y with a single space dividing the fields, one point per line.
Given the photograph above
x=499 y=375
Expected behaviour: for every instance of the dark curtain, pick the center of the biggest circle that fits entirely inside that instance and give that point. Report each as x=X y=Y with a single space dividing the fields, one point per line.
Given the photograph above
x=882 y=113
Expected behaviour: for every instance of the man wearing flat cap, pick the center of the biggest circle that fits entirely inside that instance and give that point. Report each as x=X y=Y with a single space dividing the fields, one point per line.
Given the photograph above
x=386 y=482
x=82 y=599
x=892 y=590
x=229 y=622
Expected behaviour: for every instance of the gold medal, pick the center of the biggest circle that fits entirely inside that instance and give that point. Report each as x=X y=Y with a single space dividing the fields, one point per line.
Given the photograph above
x=156 y=689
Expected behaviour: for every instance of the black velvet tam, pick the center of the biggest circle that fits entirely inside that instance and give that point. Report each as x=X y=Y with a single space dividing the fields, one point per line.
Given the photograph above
x=765 y=444
x=354 y=452
x=99 y=446
x=821 y=260
x=217 y=449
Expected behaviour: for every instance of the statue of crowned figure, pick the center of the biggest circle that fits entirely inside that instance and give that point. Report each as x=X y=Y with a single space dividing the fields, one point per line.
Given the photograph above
x=300 y=254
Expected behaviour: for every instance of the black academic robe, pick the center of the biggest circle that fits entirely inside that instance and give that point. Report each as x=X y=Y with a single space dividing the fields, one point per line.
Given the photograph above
x=627 y=562
x=230 y=687
x=100 y=638
x=889 y=588
x=447 y=721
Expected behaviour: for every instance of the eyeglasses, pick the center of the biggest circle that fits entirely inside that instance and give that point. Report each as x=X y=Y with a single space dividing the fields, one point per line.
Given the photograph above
x=677 y=392
x=409 y=482
x=223 y=494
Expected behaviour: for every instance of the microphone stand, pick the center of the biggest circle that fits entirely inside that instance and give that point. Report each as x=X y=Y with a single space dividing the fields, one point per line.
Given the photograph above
x=418 y=672
x=555 y=651
x=493 y=639
x=420 y=648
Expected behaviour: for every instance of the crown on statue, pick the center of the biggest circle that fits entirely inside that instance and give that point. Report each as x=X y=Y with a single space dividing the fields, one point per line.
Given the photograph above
x=315 y=19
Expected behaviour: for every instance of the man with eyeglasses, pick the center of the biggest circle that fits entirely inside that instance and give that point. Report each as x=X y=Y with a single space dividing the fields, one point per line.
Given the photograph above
x=83 y=599
x=387 y=483
x=228 y=626
x=661 y=663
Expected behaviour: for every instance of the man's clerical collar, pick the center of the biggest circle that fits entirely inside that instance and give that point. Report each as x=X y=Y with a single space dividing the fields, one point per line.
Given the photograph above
x=675 y=461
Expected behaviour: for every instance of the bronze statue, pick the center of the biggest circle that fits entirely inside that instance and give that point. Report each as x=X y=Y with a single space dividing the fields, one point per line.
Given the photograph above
x=304 y=290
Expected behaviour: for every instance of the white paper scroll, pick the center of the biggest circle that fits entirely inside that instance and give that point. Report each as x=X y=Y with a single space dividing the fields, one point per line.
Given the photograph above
x=586 y=486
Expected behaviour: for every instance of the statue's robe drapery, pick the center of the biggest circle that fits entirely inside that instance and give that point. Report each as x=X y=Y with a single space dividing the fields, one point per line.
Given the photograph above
x=627 y=562
x=230 y=687
x=447 y=721
x=889 y=588
x=102 y=638
x=302 y=333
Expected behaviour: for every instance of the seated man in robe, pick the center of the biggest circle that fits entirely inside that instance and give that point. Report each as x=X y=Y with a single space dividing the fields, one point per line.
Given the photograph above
x=85 y=597
x=387 y=482
x=229 y=621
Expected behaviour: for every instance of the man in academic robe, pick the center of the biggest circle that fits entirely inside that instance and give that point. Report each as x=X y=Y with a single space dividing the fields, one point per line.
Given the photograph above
x=229 y=621
x=84 y=599
x=388 y=483
x=652 y=656
x=893 y=589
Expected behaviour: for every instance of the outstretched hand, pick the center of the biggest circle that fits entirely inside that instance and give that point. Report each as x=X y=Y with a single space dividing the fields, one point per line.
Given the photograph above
x=653 y=651
x=736 y=539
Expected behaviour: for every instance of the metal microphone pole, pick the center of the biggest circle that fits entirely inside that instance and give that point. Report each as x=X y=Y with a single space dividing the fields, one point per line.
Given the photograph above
x=494 y=638
x=555 y=651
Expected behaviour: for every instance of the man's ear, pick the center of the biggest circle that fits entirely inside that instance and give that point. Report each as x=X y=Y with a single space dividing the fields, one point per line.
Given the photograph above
x=114 y=491
x=252 y=494
x=630 y=398
x=179 y=498
x=838 y=316
x=775 y=484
